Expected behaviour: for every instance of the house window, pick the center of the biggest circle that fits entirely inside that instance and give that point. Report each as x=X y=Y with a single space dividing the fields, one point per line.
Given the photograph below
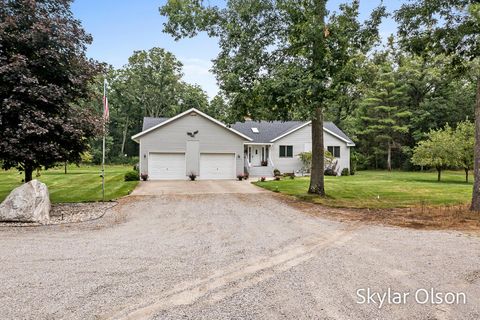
x=334 y=150
x=286 y=152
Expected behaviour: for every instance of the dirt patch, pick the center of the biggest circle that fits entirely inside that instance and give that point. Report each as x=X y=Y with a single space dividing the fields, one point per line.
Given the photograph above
x=429 y=218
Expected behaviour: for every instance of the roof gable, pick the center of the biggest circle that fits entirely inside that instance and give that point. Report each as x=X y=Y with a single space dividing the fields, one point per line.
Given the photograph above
x=268 y=131
x=151 y=124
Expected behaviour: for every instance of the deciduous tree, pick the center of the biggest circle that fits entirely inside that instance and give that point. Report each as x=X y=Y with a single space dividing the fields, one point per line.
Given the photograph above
x=465 y=145
x=43 y=75
x=282 y=58
x=437 y=151
x=450 y=27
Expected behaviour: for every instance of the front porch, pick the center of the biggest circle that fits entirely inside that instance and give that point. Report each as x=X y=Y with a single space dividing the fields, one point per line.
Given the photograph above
x=257 y=160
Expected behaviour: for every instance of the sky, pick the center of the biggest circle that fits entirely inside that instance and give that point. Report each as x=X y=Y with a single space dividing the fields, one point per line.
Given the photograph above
x=120 y=27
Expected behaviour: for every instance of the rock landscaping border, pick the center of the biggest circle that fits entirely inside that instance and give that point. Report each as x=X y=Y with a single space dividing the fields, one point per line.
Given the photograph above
x=65 y=213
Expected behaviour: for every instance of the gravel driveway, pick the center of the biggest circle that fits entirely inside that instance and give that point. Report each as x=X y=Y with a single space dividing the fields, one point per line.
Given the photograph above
x=229 y=256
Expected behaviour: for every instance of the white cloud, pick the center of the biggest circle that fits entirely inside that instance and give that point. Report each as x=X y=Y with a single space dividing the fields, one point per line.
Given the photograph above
x=197 y=71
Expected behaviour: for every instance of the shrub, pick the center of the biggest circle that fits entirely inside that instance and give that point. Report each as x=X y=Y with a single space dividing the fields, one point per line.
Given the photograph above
x=276 y=172
x=132 y=176
x=263 y=179
x=246 y=176
x=329 y=172
x=192 y=176
x=277 y=178
x=290 y=175
x=345 y=172
x=144 y=176
x=240 y=177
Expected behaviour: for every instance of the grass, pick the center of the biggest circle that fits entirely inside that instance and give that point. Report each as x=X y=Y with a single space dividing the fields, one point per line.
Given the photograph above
x=81 y=184
x=381 y=190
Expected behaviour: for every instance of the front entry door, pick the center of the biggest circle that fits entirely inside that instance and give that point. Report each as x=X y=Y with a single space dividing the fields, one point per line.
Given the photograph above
x=256 y=155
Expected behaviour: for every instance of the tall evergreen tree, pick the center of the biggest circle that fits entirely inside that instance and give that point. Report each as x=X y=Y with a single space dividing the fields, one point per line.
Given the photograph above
x=384 y=119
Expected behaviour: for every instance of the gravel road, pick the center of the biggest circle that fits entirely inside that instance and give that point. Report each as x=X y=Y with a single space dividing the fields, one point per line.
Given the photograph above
x=230 y=256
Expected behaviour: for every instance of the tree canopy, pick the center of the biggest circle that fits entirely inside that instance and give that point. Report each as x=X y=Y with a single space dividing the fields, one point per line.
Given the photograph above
x=449 y=27
x=281 y=59
x=43 y=76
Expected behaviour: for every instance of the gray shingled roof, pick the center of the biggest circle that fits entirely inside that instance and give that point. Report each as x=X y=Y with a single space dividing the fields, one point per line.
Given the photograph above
x=149 y=122
x=336 y=130
x=271 y=130
x=268 y=130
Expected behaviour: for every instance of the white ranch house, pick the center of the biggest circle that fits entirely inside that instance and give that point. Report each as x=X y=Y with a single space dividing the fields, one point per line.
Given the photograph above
x=194 y=142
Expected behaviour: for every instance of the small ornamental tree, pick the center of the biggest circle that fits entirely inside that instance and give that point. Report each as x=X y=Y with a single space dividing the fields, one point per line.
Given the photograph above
x=450 y=27
x=465 y=145
x=438 y=151
x=43 y=76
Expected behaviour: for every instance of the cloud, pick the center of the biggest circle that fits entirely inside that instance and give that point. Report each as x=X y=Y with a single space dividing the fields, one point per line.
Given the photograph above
x=197 y=71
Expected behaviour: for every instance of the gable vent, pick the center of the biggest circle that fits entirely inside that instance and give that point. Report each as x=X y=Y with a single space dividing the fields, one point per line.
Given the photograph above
x=255 y=130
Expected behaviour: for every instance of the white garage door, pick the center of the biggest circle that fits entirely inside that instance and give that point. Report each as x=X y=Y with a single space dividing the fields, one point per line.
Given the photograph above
x=217 y=166
x=166 y=166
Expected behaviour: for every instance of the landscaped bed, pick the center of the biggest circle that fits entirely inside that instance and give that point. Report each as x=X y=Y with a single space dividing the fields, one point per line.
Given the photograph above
x=80 y=184
x=381 y=189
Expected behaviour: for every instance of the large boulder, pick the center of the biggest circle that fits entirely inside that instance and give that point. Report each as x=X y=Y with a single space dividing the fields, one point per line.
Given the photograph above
x=28 y=203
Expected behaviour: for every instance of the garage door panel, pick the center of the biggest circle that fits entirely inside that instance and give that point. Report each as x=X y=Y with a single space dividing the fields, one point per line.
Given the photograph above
x=166 y=166
x=217 y=166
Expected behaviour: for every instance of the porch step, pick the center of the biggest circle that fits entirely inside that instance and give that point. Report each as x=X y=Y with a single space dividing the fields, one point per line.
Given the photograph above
x=266 y=171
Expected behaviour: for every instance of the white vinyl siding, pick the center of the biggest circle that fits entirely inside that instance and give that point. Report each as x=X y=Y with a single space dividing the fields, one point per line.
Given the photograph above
x=301 y=140
x=173 y=138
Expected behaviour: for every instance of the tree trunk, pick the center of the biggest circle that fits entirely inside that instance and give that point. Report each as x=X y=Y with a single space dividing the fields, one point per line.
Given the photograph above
x=466 y=175
x=124 y=139
x=317 y=182
x=476 y=163
x=65 y=167
x=389 y=157
x=28 y=173
x=439 y=174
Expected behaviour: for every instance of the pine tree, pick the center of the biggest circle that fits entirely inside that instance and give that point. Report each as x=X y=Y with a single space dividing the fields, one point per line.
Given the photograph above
x=383 y=116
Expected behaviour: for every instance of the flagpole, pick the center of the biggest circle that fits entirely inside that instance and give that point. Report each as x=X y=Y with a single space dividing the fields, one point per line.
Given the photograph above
x=103 y=142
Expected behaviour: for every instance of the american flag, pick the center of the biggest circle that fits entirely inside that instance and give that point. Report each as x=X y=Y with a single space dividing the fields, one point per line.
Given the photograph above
x=106 y=113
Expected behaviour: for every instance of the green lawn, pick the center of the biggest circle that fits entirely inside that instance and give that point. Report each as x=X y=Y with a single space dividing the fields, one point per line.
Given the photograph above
x=380 y=189
x=81 y=184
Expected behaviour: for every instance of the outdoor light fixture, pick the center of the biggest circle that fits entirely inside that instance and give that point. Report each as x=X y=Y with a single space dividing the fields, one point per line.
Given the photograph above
x=144 y=156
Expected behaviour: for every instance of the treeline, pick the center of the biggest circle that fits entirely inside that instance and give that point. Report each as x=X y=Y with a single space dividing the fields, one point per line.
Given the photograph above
x=398 y=100
x=150 y=85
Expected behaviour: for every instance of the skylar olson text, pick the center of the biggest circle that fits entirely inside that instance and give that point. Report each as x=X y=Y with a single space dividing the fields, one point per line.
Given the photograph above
x=419 y=296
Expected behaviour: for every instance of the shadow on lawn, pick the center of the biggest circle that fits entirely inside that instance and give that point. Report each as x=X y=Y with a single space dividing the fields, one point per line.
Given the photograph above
x=455 y=182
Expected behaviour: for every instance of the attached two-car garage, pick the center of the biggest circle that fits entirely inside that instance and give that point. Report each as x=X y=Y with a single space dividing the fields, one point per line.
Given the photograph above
x=172 y=166
x=191 y=142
